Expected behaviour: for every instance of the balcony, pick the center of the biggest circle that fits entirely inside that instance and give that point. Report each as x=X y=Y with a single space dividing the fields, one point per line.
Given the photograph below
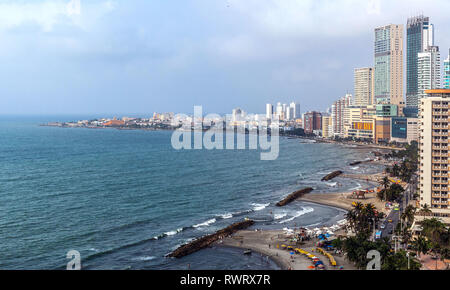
x=439 y=120
x=440 y=134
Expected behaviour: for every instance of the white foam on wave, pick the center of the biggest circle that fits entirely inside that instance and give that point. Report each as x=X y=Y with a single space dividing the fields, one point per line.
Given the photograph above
x=205 y=224
x=144 y=258
x=226 y=216
x=355 y=168
x=172 y=233
x=258 y=206
x=332 y=184
x=304 y=211
x=279 y=216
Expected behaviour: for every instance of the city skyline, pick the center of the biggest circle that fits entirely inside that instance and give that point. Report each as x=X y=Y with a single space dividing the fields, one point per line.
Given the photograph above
x=175 y=67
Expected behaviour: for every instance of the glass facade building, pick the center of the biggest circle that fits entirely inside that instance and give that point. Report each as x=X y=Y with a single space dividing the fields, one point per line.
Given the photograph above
x=411 y=112
x=399 y=127
x=419 y=36
x=386 y=110
x=388 y=73
x=446 y=83
x=382 y=65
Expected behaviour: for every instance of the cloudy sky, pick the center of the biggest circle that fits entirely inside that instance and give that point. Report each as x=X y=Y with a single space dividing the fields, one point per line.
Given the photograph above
x=140 y=56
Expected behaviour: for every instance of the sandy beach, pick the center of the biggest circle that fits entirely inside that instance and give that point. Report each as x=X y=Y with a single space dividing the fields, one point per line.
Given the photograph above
x=265 y=242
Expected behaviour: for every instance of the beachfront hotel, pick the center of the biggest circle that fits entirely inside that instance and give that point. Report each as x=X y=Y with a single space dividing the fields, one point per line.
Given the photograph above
x=434 y=153
x=388 y=75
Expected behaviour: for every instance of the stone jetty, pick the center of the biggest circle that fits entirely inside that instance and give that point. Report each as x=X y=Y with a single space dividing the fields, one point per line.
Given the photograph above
x=332 y=175
x=361 y=162
x=206 y=241
x=293 y=196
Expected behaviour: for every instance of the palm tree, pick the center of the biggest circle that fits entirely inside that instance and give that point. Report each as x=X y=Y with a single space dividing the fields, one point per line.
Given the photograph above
x=425 y=210
x=421 y=245
x=433 y=229
x=408 y=214
x=385 y=182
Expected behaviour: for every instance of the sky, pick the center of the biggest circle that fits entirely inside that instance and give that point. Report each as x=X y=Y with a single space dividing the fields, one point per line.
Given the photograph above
x=139 y=56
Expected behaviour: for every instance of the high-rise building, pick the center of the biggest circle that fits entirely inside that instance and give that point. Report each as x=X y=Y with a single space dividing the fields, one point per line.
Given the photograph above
x=296 y=108
x=279 y=111
x=269 y=111
x=388 y=73
x=429 y=71
x=312 y=122
x=420 y=36
x=337 y=114
x=289 y=113
x=364 y=86
x=446 y=83
x=434 y=159
x=327 y=128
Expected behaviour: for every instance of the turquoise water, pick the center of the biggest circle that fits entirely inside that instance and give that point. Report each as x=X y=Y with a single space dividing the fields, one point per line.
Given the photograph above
x=124 y=199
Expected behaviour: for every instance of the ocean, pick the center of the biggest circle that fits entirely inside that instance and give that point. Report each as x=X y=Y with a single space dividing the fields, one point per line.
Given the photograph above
x=124 y=199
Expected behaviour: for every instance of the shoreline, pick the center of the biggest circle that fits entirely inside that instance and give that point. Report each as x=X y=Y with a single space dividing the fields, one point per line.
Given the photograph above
x=266 y=242
x=258 y=241
x=282 y=263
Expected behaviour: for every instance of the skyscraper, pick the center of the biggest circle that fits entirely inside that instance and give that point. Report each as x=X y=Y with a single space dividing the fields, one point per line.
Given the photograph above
x=389 y=64
x=269 y=111
x=364 y=86
x=428 y=71
x=446 y=83
x=420 y=36
x=296 y=108
x=279 y=111
x=337 y=114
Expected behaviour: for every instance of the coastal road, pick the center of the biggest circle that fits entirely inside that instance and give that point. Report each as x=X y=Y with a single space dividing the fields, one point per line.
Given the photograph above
x=395 y=215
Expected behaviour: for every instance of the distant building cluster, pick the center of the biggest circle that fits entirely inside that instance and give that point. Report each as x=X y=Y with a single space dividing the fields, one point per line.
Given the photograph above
x=284 y=112
x=158 y=121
